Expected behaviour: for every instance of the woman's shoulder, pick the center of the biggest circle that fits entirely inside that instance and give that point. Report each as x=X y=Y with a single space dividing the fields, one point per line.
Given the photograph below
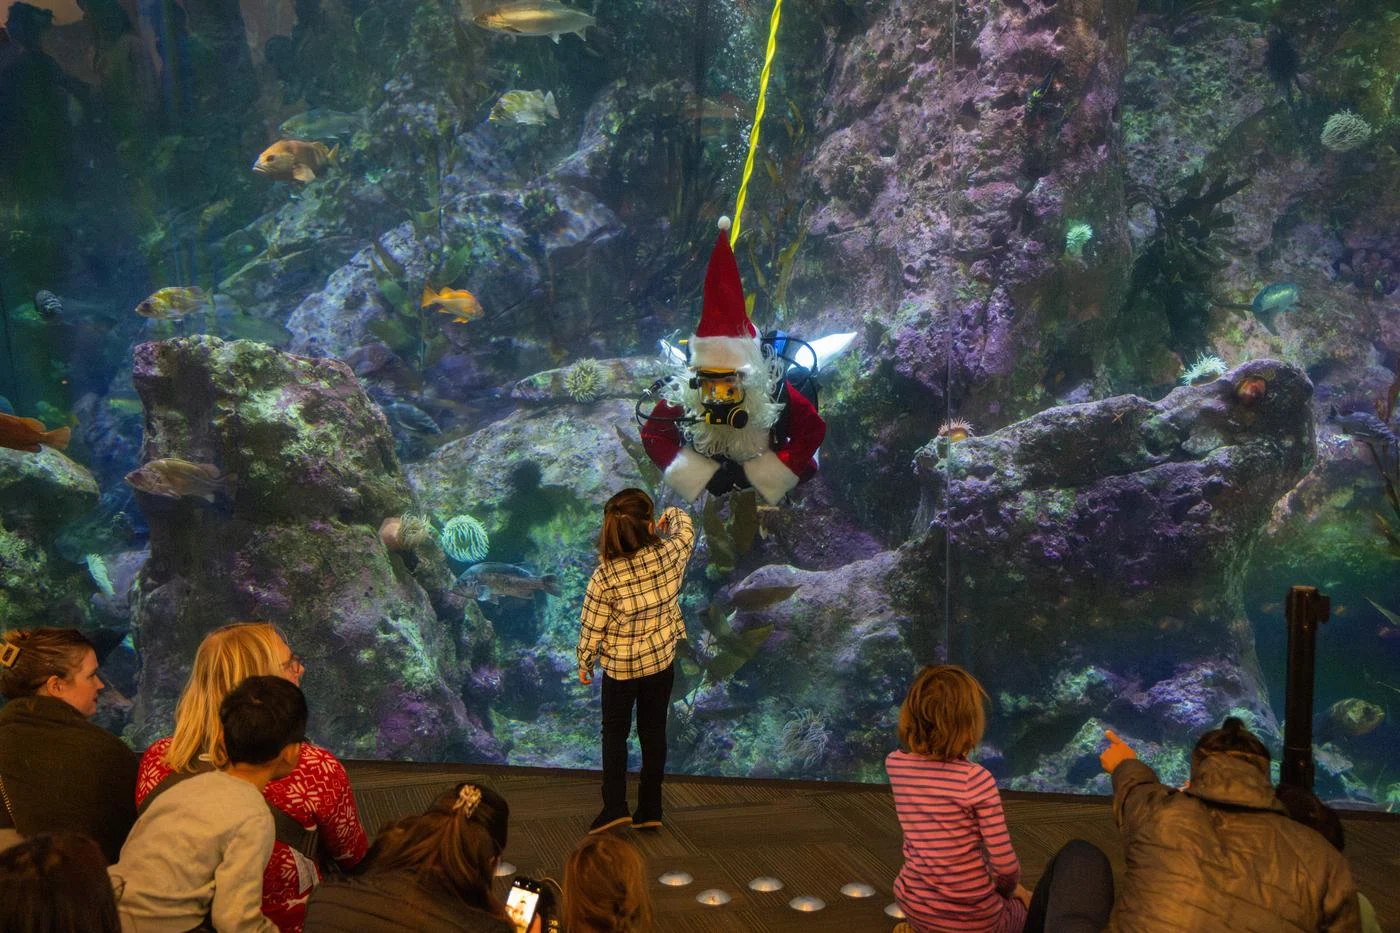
x=400 y=903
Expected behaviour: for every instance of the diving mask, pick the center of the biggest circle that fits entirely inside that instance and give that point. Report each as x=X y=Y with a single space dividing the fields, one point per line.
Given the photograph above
x=721 y=397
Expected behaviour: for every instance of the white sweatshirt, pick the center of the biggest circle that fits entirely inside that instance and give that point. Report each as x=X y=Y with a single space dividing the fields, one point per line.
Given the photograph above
x=201 y=847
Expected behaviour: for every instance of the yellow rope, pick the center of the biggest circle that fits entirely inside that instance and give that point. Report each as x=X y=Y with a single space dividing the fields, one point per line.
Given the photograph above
x=757 y=117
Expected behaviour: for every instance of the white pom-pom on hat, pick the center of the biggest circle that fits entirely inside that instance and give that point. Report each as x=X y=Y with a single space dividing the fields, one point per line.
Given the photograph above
x=725 y=223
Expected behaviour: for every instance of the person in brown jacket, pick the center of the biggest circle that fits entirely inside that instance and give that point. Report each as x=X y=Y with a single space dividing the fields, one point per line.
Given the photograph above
x=1221 y=854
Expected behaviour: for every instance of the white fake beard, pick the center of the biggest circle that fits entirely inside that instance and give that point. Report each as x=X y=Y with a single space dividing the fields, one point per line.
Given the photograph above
x=720 y=440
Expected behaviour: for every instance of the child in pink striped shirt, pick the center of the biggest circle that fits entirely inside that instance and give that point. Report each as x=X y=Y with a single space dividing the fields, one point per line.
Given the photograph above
x=960 y=872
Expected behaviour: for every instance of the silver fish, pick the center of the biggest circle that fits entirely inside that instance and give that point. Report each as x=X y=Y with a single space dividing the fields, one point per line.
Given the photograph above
x=320 y=123
x=487 y=582
x=47 y=304
x=535 y=18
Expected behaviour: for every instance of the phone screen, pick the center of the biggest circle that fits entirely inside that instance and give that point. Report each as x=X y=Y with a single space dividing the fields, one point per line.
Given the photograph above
x=521 y=906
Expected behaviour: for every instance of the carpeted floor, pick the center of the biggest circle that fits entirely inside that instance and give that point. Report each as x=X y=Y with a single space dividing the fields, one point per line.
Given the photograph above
x=813 y=837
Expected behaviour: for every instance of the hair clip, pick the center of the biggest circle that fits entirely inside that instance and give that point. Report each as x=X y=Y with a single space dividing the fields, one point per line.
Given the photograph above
x=8 y=655
x=467 y=799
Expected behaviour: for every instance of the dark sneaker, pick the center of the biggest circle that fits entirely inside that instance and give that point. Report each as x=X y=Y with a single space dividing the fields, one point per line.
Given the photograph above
x=609 y=818
x=647 y=818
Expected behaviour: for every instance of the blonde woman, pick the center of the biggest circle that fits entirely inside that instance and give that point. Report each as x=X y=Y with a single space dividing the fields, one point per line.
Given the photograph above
x=316 y=796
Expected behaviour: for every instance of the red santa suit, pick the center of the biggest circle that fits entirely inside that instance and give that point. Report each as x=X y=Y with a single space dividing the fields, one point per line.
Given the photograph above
x=774 y=454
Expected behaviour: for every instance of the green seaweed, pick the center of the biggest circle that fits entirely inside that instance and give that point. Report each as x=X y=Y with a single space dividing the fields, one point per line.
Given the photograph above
x=729 y=538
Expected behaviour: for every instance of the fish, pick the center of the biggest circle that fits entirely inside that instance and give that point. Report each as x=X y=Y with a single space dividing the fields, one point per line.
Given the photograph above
x=5 y=407
x=458 y=302
x=320 y=123
x=761 y=597
x=527 y=108
x=412 y=418
x=535 y=18
x=27 y=434
x=1274 y=299
x=172 y=478
x=1350 y=718
x=174 y=303
x=487 y=582
x=1362 y=424
x=295 y=160
x=47 y=304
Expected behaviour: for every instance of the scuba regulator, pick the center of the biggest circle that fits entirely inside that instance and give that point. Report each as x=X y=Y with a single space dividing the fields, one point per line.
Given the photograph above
x=721 y=397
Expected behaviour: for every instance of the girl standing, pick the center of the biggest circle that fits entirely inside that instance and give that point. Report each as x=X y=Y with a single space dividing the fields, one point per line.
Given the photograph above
x=631 y=622
x=960 y=871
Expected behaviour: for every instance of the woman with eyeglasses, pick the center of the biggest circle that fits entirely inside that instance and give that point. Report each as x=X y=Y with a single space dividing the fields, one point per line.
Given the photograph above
x=57 y=770
x=314 y=806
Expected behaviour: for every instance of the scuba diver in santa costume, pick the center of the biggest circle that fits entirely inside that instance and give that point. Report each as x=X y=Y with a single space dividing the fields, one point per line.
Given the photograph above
x=732 y=418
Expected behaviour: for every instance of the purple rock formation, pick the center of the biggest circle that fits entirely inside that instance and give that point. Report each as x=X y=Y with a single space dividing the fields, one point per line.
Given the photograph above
x=293 y=541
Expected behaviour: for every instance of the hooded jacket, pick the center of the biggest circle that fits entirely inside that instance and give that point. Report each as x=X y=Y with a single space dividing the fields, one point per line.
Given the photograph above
x=61 y=772
x=1223 y=855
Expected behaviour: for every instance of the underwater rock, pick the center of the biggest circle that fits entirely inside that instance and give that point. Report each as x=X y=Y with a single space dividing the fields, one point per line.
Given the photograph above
x=586 y=381
x=296 y=542
x=40 y=493
x=1115 y=534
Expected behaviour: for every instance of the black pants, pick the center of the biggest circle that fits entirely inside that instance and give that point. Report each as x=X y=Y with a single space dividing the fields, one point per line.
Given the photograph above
x=1075 y=895
x=651 y=695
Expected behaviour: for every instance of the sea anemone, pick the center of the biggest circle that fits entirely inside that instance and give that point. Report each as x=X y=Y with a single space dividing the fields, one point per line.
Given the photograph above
x=955 y=429
x=585 y=381
x=1344 y=131
x=1076 y=238
x=464 y=539
x=404 y=532
x=806 y=737
x=1251 y=389
x=1207 y=368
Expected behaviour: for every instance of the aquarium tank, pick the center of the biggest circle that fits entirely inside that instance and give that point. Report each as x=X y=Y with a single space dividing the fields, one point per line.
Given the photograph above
x=349 y=315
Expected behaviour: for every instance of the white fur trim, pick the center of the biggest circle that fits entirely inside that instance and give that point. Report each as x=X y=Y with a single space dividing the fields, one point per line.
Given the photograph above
x=689 y=473
x=724 y=223
x=738 y=353
x=770 y=476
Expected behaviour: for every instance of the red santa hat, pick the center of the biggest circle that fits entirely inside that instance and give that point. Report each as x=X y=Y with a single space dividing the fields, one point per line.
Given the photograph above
x=725 y=337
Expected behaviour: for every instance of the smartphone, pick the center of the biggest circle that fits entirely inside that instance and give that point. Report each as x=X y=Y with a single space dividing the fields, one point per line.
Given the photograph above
x=523 y=901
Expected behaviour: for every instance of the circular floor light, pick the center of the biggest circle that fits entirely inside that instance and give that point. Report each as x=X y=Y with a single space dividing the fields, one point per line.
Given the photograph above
x=764 y=883
x=857 y=889
x=893 y=910
x=713 y=897
x=676 y=879
x=504 y=868
x=806 y=903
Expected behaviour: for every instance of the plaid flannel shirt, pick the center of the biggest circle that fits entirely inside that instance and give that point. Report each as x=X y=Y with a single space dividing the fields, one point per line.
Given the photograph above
x=631 y=614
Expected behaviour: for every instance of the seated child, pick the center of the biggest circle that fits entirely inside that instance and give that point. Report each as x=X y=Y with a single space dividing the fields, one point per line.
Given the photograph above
x=195 y=858
x=950 y=812
x=57 y=883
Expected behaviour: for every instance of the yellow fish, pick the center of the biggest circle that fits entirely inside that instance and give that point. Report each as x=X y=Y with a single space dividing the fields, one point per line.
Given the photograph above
x=458 y=302
x=170 y=304
x=172 y=478
x=535 y=18
x=294 y=160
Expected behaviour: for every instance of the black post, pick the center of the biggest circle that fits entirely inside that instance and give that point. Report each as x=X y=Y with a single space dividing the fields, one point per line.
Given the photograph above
x=1305 y=609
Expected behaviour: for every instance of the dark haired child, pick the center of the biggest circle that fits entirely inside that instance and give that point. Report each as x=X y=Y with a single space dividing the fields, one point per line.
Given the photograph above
x=56 y=883
x=1222 y=848
x=430 y=873
x=960 y=871
x=195 y=857
x=631 y=622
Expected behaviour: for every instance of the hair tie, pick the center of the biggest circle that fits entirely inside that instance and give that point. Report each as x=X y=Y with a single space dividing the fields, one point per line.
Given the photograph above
x=467 y=799
x=8 y=655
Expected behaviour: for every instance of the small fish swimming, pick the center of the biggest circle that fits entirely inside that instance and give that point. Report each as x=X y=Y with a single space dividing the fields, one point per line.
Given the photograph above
x=488 y=582
x=412 y=418
x=172 y=304
x=47 y=304
x=535 y=18
x=527 y=108
x=5 y=407
x=1274 y=299
x=27 y=434
x=320 y=123
x=294 y=160
x=172 y=478
x=458 y=302
x=1362 y=424
x=761 y=597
